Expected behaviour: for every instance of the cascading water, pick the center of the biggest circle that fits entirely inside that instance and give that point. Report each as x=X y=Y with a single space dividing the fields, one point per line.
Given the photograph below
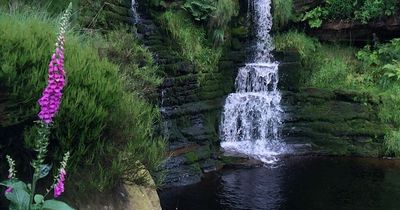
x=135 y=14
x=252 y=116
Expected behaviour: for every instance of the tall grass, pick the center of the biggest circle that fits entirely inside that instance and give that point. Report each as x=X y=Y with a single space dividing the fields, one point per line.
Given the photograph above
x=220 y=18
x=322 y=63
x=191 y=40
x=282 y=12
x=108 y=129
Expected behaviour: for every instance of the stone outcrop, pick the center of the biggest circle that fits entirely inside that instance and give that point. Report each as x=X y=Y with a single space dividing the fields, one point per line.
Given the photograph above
x=355 y=31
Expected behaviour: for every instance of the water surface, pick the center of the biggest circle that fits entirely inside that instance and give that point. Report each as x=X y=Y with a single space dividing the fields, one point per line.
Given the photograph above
x=295 y=183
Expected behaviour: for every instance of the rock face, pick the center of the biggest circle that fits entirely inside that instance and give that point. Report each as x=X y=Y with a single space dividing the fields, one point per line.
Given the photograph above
x=328 y=122
x=317 y=121
x=190 y=107
x=355 y=31
x=127 y=197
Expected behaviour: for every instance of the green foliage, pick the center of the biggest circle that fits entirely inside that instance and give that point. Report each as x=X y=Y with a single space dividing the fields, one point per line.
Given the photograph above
x=392 y=143
x=374 y=71
x=19 y=198
x=304 y=45
x=108 y=128
x=322 y=63
x=136 y=62
x=315 y=17
x=220 y=18
x=191 y=41
x=371 y=9
x=382 y=63
x=341 y=9
x=282 y=12
x=361 y=10
x=199 y=9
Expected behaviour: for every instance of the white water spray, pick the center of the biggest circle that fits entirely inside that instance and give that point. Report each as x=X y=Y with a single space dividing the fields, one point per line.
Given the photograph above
x=252 y=116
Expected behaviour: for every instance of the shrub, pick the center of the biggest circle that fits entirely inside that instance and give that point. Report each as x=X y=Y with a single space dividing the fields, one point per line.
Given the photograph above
x=108 y=129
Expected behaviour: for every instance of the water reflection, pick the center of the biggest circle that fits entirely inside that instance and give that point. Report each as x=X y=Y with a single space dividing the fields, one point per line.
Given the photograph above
x=298 y=183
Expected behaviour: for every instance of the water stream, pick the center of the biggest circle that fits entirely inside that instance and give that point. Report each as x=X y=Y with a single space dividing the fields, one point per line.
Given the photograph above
x=252 y=116
x=135 y=14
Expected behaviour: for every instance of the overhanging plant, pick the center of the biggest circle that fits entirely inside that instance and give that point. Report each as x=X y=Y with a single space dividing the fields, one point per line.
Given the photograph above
x=23 y=196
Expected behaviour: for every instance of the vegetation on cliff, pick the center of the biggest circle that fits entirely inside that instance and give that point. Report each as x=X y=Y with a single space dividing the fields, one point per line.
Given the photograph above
x=105 y=120
x=373 y=70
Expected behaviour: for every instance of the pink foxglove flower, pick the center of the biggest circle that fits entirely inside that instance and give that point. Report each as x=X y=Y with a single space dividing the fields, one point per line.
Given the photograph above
x=59 y=187
x=51 y=96
x=9 y=189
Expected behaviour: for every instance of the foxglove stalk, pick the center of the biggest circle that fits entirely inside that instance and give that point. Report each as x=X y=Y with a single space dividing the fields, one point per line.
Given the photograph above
x=51 y=96
x=60 y=179
x=59 y=187
x=11 y=172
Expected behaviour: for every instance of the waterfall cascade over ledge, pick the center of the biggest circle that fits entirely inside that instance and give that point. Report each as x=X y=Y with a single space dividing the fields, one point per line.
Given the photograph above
x=252 y=116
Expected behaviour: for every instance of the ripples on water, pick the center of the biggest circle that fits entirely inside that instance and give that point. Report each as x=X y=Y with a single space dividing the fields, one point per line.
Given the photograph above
x=296 y=183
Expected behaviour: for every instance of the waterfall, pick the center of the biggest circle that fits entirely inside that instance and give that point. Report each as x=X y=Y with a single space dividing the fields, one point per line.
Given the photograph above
x=252 y=116
x=135 y=14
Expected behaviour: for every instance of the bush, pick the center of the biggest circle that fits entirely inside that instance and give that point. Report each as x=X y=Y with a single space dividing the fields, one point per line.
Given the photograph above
x=108 y=129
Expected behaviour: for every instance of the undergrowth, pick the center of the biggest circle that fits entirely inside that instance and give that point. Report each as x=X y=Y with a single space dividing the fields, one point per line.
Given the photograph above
x=191 y=40
x=106 y=125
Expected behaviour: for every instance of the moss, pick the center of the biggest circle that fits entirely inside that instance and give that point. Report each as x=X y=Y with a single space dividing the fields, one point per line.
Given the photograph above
x=191 y=157
x=240 y=31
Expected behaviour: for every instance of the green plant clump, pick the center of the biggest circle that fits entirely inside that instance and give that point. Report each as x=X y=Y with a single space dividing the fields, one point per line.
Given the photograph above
x=191 y=41
x=282 y=12
x=108 y=129
x=199 y=9
x=220 y=19
x=364 y=11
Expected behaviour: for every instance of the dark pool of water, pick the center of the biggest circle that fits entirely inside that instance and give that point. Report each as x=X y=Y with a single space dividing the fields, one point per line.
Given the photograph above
x=295 y=183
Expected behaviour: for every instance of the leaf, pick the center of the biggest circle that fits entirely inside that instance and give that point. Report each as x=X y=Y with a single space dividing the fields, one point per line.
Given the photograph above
x=44 y=170
x=38 y=198
x=56 y=205
x=19 y=198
